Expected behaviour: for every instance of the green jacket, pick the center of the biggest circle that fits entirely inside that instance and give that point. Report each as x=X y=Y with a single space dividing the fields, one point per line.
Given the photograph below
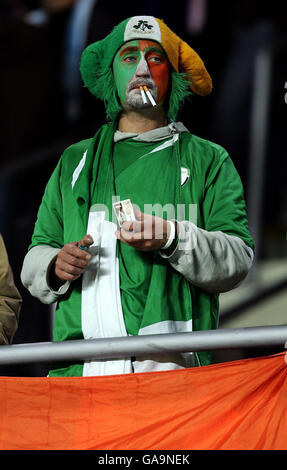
x=212 y=185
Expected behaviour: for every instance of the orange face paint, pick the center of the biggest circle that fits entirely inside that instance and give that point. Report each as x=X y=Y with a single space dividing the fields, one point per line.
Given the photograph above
x=158 y=65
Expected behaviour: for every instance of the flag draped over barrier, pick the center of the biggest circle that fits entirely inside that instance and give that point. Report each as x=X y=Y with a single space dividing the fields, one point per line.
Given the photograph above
x=238 y=405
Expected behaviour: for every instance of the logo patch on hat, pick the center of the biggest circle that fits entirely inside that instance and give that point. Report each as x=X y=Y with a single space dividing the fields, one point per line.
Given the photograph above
x=142 y=27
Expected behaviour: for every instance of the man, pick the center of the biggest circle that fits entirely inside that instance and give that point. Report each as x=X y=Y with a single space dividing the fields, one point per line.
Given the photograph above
x=10 y=299
x=162 y=272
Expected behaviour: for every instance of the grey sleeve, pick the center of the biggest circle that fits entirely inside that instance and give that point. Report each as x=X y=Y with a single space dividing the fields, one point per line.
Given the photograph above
x=35 y=274
x=214 y=261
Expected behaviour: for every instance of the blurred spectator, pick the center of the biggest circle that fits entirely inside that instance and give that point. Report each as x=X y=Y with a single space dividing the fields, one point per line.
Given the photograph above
x=252 y=27
x=10 y=299
x=28 y=96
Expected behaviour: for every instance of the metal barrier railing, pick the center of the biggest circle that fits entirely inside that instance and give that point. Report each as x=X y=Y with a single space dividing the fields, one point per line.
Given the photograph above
x=145 y=345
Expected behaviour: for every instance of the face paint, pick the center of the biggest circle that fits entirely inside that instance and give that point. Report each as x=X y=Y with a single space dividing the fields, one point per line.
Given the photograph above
x=158 y=66
x=141 y=63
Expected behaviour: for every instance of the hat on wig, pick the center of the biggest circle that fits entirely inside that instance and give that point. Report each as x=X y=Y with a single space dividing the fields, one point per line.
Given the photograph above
x=97 y=59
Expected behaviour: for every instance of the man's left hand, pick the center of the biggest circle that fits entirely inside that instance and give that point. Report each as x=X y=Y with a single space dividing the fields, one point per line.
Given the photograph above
x=147 y=233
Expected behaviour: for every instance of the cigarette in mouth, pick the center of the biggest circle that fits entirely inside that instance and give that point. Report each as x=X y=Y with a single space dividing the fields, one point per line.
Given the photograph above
x=149 y=95
x=143 y=95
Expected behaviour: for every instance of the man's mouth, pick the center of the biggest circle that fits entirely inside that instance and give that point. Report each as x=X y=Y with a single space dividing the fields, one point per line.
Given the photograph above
x=145 y=90
x=140 y=84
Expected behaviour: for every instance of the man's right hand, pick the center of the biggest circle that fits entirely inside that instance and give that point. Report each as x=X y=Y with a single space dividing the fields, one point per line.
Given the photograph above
x=71 y=260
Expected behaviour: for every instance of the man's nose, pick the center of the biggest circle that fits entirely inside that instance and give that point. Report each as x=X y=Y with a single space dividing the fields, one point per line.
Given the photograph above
x=143 y=69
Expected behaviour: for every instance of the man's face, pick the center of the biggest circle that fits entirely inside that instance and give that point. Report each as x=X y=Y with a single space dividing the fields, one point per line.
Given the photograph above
x=138 y=63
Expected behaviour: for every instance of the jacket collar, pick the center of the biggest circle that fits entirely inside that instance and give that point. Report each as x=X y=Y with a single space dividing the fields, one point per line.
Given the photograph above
x=152 y=136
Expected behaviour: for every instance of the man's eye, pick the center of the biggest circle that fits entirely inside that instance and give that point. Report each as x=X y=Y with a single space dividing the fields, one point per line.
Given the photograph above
x=156 y=59
x=130 y=58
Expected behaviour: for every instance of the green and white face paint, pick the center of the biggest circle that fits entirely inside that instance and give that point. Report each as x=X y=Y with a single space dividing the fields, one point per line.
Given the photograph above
x=141 y=63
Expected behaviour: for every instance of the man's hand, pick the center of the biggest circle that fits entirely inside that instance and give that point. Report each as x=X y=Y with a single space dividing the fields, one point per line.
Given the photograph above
x=147 y=233
x=72 y=260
